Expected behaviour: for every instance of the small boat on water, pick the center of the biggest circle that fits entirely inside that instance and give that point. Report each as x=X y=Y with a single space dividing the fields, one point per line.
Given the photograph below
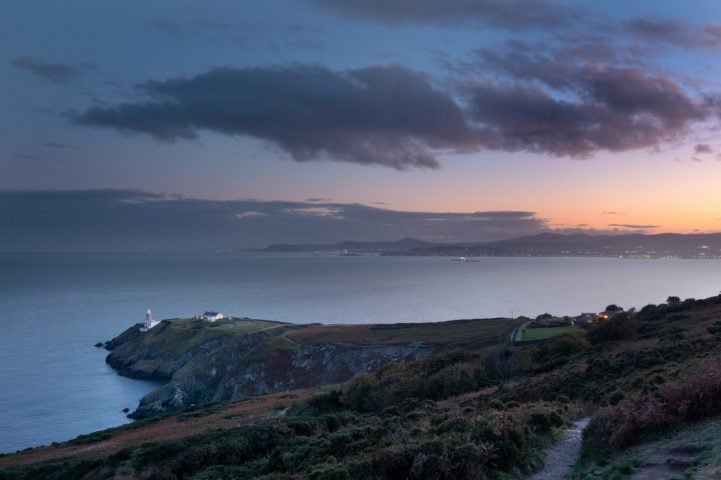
x=465 y=259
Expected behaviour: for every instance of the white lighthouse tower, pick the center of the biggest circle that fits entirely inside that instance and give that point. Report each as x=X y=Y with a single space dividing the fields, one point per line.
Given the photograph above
x=149 y=322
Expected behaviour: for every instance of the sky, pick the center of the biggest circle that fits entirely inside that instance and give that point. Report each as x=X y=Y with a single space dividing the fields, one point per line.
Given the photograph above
x=319 y=121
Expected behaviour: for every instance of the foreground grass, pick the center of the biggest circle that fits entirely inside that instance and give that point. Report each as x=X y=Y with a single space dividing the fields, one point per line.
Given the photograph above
x=323 y=439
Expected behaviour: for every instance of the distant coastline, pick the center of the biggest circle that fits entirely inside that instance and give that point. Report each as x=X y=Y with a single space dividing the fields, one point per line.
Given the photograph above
x=627 y=246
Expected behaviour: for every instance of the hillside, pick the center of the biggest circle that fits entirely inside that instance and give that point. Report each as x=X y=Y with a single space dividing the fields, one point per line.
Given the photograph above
x=487 y=413
x=238 y=358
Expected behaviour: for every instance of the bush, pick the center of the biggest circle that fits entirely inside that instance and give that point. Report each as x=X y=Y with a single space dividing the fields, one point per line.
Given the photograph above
x=616 y=397
x=632 y=420
x=673 y=300
x=497 y=404
x=620 y=327
x=433 y=378
x=562 y=346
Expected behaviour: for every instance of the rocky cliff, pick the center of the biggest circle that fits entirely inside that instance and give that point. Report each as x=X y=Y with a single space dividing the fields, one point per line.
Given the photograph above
x=234 y=359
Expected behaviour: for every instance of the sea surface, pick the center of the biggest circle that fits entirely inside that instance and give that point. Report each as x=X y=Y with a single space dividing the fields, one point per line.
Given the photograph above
x=54 y=385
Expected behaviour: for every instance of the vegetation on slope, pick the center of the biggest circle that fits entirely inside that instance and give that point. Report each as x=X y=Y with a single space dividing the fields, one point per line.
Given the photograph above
x=238 y=358
x=456 y=414
x=326 y=437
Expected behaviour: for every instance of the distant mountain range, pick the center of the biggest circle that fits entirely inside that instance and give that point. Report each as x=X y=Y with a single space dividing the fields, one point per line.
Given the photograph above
x=672 y=245
x=403 y=245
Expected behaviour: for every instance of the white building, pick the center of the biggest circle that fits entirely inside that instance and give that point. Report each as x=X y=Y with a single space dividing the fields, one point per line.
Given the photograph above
x=149 y=322
x=212 y=316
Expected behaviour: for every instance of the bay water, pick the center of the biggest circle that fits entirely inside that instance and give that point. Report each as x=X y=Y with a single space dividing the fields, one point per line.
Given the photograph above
x=54 y=385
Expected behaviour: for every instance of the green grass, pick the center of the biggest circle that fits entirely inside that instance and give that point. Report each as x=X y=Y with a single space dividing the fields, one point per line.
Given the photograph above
x=184 y=334
x=546 y=332
x=454 y=334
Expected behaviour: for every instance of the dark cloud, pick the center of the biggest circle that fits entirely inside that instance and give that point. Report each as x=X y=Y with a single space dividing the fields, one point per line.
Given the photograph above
x=564 y=104
x=134 y=220
x=611 y=212
x=675 y=32
x=383 y=115
x=633 y=226
x=528 y=118
x=511 y=14
x=24 y=156
x=702 y=148
x=391 y=116
x=54 y=72
x=570 y=92
x=318 y=199
x=590 y=29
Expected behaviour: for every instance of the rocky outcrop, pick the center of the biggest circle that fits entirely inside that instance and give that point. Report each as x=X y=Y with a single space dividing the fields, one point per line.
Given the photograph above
x=203 y=365
x=311 y=366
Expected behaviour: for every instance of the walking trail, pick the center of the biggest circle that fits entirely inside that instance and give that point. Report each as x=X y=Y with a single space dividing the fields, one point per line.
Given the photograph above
x=562 y=456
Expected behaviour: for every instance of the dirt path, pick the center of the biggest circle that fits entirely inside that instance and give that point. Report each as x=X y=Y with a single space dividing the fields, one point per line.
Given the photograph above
x=562 y=456
x=517 y=333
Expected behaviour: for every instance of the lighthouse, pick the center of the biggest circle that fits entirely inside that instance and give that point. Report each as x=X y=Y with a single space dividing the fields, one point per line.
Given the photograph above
x=149 y=322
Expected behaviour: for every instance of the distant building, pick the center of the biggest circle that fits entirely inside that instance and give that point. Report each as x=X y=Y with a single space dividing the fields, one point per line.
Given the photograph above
x=587 y=318
x=212 y=316
x=547 y=320
x=149 y=322
x=609 y=314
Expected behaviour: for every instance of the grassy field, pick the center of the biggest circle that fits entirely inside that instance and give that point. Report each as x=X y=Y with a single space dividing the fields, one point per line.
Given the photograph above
x=546 y=332
x=453 y=334
x=184 y=334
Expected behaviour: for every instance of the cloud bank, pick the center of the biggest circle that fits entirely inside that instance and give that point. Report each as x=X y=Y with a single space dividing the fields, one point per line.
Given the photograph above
x=510 y=14
x=579 y=85
x=115 y=220
x=558 y=104
x=392 y=116
x=386 y=115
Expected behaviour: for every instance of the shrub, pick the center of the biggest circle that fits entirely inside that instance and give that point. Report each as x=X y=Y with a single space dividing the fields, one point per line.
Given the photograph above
x=632 y=420
x=497 y=404
x=433 y=378
x=562 y=346
x=615 y=397
x=620 y=327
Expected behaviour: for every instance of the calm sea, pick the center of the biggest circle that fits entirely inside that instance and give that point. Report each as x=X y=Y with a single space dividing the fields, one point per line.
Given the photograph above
x=55 y=385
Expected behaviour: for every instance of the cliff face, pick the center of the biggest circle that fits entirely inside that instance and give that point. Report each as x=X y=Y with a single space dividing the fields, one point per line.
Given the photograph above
x=232 y=360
